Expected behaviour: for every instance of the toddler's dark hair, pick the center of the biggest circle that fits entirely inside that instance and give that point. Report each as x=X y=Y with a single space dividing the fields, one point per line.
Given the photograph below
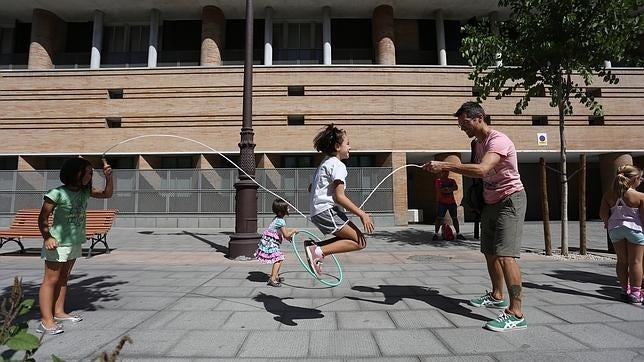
x=280 y=208
x=326 y=140
x=73 y=171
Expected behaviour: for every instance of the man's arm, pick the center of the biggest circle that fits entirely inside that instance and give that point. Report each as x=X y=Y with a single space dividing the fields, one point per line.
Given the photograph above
x=475 y=170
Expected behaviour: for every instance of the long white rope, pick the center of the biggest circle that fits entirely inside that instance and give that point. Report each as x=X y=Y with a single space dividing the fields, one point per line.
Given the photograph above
x=244 y=172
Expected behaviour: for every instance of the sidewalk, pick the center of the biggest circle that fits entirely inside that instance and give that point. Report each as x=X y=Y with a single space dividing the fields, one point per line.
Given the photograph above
x=403 y=298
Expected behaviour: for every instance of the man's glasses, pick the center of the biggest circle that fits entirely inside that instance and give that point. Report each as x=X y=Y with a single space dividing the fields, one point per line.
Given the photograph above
x=460 y=124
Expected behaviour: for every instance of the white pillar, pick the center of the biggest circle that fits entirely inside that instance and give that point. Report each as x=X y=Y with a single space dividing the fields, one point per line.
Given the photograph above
x=268 y=36
x=607 y=64
x=326 y=34
x=155 y=17
x=97 y=41
x=440 y=38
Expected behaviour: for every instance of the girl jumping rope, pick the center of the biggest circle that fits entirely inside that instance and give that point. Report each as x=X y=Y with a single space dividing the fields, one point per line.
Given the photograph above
x=268 y=249
x=626 y=209
x=63 y=239
x=327 y=194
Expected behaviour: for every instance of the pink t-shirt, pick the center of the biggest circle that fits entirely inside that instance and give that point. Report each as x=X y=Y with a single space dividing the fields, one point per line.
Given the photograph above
x=504 y=179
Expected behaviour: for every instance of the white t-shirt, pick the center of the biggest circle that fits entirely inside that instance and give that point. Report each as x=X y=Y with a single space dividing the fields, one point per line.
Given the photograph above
x=330 y=170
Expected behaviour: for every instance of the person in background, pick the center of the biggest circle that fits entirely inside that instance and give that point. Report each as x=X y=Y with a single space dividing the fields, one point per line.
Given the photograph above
x=445 y=187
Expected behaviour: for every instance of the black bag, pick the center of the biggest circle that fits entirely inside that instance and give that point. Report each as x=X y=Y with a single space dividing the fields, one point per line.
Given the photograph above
x=474 y=196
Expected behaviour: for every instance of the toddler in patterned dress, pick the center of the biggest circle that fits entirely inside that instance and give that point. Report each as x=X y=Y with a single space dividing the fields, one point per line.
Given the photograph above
x=268 y=249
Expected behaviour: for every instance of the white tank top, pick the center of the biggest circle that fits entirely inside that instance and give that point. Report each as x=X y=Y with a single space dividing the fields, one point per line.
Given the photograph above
x=623 y=215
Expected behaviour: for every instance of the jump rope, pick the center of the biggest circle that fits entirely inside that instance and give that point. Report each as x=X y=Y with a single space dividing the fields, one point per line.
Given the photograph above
x=335 y=280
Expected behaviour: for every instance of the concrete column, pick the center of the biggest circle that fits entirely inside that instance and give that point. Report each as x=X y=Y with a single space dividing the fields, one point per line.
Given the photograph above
x=155 y=18
x=26 y=163
x=383 y=35
x=203 y=163
x=97 y=40
x=212 y=39
x=608 y=165
x=399 y=159
x=440 y=38
x=47 y=38
x=326 y=34
x=268 y=36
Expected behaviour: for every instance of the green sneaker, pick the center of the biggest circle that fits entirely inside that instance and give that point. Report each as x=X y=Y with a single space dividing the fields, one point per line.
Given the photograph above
x=488 y=300
x=506 y=322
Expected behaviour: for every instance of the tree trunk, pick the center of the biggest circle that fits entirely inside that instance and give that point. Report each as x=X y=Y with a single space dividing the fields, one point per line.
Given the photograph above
x=545 y=209
x=582 y=204
x=564 y=181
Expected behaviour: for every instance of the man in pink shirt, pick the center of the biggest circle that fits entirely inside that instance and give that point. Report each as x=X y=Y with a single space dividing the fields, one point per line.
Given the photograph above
x=502 y=216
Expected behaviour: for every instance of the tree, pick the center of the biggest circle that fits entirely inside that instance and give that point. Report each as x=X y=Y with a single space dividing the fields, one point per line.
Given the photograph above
x=545 y=48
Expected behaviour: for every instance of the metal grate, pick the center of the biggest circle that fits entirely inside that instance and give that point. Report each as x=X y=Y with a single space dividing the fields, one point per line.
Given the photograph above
x=190 y=191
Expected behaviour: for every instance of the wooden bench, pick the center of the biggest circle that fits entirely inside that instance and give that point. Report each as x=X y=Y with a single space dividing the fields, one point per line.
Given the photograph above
x=25 y=225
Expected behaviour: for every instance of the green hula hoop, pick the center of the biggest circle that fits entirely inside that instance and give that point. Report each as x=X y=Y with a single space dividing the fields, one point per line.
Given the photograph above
x=305 y=264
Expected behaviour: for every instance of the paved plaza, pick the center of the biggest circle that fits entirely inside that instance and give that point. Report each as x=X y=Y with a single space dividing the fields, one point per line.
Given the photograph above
x=404 y=298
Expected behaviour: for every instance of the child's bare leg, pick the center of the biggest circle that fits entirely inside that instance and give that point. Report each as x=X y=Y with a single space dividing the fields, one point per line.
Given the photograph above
x=275 y=271
x=65 y=272
x=621 y=267
x=635 y=255
x=48 y=291
x=347 y=239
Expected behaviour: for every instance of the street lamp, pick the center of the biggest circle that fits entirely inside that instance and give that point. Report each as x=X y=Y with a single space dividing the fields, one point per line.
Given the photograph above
x=244 y=241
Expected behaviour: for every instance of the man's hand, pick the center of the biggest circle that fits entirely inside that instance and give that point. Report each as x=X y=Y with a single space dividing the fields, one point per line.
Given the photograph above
x=51 y=243
x=435 y=166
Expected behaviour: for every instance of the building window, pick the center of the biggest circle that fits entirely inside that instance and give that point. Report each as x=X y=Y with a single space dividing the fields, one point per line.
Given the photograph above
x=296 y=90
x=539 y=120
x=594 y=92
x=9 y=163
x=295 y=120
x=115 y=93
x=176 y=162
x=297 y=43
x=596 y=120
x=297 y=161
x=361 y=161
x=113 y=122
x=54 y=163
x=122 y=162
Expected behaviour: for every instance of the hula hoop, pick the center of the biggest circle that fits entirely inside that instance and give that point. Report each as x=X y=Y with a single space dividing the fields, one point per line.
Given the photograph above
x=306 y=264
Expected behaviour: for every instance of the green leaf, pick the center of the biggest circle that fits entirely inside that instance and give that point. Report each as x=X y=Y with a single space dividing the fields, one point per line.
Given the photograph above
x=25 y=306
x=23 y=341
x=55 y=358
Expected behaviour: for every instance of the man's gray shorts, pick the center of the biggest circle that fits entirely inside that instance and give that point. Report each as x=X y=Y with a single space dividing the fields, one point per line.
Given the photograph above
x=330 y=221
x=502 y=225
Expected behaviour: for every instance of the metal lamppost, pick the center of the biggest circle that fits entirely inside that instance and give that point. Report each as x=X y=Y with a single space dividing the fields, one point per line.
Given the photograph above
x=243 y=242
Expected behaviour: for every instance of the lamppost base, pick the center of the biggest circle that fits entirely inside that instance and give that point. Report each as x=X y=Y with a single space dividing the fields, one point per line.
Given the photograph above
x=242 y=246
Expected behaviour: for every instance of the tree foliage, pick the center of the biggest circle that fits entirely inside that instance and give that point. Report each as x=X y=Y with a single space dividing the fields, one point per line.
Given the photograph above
x=543 y=42
x=541 y=48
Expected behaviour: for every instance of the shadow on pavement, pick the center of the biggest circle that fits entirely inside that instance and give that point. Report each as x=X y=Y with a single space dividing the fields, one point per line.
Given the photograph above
x=284 y=313
x=395 y=293
x=220 y=248
x=83 y=294
x=258 y=277
x=421 y=237
x=607 y=283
